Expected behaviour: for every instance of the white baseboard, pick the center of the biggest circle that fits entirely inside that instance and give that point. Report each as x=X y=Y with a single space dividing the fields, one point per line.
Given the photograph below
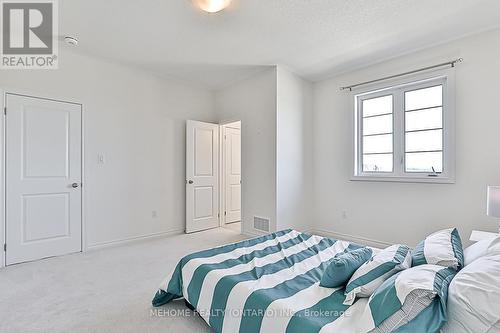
x=350 y=238
x=252 y=233
x=117 y=242
x=331 y=234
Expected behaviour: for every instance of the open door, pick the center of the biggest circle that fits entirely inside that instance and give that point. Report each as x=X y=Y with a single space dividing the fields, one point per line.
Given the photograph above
x=202 y=169
x=232 y=172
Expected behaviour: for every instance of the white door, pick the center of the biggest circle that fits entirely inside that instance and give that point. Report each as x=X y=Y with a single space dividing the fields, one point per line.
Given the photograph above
x=202 y=168
x=43 y=178
x=232 y=170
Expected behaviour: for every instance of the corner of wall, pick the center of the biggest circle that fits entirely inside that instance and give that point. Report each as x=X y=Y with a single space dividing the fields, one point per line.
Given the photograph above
x=293 y=146
x=253 y=101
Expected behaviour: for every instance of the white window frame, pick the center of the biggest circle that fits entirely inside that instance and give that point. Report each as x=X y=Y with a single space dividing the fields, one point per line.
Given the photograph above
x=445 y=77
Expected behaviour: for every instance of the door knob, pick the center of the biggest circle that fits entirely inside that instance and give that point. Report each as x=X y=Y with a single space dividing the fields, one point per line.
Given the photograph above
x=75 y=185
x=190 y=182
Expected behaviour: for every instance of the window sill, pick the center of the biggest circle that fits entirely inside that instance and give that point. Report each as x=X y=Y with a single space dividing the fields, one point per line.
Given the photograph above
x=398 y=179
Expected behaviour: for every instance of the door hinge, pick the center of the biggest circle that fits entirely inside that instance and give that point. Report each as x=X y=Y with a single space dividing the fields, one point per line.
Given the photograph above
x=225 y=213
x=5 y=110
x=5 y=247
x=218 y=214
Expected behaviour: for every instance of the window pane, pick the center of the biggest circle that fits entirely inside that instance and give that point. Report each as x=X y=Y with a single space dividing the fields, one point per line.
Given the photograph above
x=377 y=125
x=424 y=119
x=377 y=163
x=424 y=98
x=424 y=141
x=379 y=105
x=424 y=162
x=377 y=144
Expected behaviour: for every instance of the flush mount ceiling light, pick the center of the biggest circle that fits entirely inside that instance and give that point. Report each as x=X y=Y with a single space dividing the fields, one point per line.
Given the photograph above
x=212 y=6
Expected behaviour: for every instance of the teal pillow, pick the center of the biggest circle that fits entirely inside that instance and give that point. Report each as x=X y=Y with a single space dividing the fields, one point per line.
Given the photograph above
x=343 y=266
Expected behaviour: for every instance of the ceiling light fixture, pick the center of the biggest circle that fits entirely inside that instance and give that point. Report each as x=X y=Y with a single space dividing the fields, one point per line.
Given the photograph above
x=212 y=6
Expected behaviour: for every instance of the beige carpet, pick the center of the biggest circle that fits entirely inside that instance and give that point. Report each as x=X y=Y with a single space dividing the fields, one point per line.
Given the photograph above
x=108 y=290
x=236 y=226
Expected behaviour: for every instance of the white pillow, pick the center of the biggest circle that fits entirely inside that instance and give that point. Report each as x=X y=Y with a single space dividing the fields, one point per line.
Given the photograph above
x=474 y=297
x=480 y=249
x=442 y=248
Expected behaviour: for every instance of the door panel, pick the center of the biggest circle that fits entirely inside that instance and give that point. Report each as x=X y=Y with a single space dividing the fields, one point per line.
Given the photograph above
x=44 y=158
x=203 y=202
x=204 y=150
x=202 y=191
x=39 y=162
x=45 y=217
x=233 y=174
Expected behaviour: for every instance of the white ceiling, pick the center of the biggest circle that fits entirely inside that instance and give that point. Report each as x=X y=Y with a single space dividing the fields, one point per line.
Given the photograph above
x=315 y=38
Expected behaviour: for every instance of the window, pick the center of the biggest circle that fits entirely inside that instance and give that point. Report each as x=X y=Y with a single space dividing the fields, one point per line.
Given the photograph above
x=405 y=132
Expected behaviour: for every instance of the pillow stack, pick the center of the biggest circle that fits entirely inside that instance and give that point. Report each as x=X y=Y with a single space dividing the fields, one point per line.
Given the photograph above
x=415 y=300
x=402 y=297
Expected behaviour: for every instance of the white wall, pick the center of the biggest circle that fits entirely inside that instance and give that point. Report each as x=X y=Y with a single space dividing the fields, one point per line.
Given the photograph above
x=253 y=101
x=294 y=150
x=399 y=212
x=138 y=122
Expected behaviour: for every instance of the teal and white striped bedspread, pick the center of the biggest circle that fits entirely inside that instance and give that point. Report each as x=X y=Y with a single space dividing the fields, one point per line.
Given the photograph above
x=266 y=284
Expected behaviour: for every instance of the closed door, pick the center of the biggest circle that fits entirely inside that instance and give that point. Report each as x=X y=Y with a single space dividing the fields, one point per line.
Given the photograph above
x=43 y=178
x=202 y=191
x=232 y=170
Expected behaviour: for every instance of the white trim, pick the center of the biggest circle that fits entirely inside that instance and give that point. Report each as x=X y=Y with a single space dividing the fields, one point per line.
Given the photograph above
x=446 y=77
x=28 y=94
x=223 y=174
x=222 y=193
x=350 y=238
x=253 y=233
x=123 y=241
x=407 y=179
x=3 y=236
x=83 y=186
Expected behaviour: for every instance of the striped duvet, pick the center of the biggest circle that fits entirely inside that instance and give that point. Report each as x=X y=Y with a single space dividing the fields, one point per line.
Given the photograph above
x=266 y=284
x=271 y=284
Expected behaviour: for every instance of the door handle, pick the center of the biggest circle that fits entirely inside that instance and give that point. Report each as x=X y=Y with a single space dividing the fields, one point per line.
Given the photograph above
x=75 y=185
x=190 y=181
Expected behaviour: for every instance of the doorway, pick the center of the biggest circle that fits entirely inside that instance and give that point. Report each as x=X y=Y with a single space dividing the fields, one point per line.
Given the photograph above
x=213 y=176
x=43 y=177
x=231 y=175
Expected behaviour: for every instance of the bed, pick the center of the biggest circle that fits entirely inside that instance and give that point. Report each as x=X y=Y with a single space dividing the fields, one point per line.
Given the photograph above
x=265 y=284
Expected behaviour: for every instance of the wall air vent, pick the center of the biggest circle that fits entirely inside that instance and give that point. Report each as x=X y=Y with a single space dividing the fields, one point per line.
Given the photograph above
x=260 y=223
